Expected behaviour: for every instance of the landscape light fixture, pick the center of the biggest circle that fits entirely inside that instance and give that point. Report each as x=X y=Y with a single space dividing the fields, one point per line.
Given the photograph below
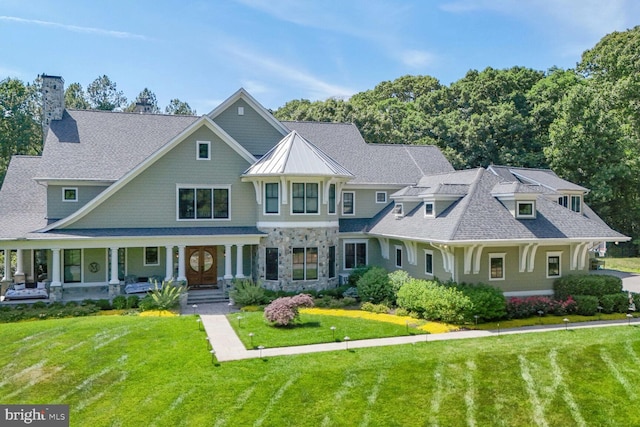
x=566 y=323
x=333 y=332
x=251 y=338
x=629 y=317
x=346 y=342
x=195 y=307
x=213 y=355
x=199 y=320
x=260 y=348
x=239 y=319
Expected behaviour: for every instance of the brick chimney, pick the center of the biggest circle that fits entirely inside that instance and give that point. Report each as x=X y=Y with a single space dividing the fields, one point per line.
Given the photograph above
x=52 y=100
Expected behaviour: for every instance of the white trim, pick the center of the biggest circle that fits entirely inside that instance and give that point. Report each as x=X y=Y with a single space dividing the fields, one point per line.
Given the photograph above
x=384 y=247
x=133 y=173
x=144 y=256
x=208 y=187
x=353 y=203
x=264 y=209
x=241 y=111
x=501 y=256
x=398 y=209
x=398 y=248
x=554 y=254
x=198 y=144
x=526 y=216
x=297 y=224
x=428 y=252
x=385 y=196
x=346 y=242
x=575 y=196
x=65 y=189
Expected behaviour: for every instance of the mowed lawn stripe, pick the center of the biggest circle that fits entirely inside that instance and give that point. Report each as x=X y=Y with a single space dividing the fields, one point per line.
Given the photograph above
x=162 y=373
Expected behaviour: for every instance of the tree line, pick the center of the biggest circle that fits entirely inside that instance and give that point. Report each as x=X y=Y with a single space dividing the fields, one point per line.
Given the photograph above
x=583 y=123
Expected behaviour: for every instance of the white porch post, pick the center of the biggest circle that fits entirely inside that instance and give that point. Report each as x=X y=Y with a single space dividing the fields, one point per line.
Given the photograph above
x=181 y=264
x=7 y=266
x=227 y=262
x=113 y=276
x=168 y=270
x=55 y=274
x=19 y=262
x=239 y=262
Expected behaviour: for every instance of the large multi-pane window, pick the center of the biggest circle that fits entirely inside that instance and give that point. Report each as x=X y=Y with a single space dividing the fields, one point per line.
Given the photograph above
x=271 y=200
x=304 y=198
x=203 y=203
x=151 y=256
x=72 y=265
x=305 y=263
x=271 y=264
x=355 y=254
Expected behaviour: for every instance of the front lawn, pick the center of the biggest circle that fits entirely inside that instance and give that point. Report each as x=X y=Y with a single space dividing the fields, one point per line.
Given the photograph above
x=630 y=265
x=133 y=371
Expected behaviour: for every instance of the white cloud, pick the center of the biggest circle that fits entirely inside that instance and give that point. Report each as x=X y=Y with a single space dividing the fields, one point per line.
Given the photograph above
x=417 y=58
x=75 y=28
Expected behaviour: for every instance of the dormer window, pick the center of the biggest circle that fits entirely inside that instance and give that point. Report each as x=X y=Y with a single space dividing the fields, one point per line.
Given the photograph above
x=576 y=204
x=525 y=210
x=69 y=194
x=429 y=209
x=398 y=210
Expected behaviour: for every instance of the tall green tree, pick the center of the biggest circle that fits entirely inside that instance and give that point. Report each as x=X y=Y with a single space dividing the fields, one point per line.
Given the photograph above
x=178 y=107
x=104 y=95
x=148 y=97
x=75 y=98
x=20 y=121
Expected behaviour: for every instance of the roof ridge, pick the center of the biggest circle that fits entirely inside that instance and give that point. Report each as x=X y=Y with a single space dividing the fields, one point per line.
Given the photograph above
x=415 y=162
x=466 y=200
x=132 y=113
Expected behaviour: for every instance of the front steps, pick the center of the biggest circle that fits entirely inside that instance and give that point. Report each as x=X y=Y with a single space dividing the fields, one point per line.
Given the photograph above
x=206 y=296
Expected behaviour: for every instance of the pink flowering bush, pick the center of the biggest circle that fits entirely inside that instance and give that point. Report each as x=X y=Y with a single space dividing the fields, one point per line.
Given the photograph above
x=519 y=308
x=283 y=311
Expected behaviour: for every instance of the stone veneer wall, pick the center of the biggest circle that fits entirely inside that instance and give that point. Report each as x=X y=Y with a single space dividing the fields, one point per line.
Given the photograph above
x=285 y=239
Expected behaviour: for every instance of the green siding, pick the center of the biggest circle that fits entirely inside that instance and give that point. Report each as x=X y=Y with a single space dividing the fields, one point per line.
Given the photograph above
x=149 y=200
x=58 y=209
x=135 y=263
x=99 y=256
x=285 y=210
x=365 y=203
x=251 y=130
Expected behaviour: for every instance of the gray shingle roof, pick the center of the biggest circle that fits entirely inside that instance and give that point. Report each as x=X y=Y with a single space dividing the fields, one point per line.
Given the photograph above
x=294 y=155
x=544 y=177
x=480 y=216
x=103 y=145
x=372 y=163
x=22 y=200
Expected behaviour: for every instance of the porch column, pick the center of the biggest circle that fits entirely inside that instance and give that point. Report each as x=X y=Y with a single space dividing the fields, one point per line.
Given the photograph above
x=19 y=262
x=227 y=262
x=55 y=274
x=7 y=266
x=181 y=264
x=113 y=276
x=168 y=270
x=239 y=263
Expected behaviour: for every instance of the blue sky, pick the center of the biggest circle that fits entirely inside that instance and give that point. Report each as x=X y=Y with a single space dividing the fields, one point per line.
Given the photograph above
x=279 y=50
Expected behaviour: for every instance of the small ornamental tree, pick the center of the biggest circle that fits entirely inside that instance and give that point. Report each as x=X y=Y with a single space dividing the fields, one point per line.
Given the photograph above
x=283 y=311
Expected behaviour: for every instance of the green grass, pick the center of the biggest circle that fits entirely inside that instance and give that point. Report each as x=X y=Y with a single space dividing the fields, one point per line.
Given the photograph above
x=548 y=320
x=133 y=371
x=630 y=265
x=311 y=329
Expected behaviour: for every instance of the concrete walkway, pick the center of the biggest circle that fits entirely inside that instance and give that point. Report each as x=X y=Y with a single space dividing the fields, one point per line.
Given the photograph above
x=227 y=345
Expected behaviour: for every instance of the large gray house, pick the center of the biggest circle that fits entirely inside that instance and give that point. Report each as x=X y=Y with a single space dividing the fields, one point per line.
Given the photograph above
x=294 y=205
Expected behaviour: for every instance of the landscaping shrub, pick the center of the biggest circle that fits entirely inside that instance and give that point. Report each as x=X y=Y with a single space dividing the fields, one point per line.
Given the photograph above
x=586 y=284
x=39 y=305
x=397 y=279
x=72 y=304
x=147 y=303
x=132 y=301
x=615 y=303
x=374 y=308
x=246 y=292
x=103 y=304
x=167 y=295
x=587 y=305
x=488 y=302
x=434 y=301
x=357 y=273
x=348 y=301
x=374 y=286
x=401 y=311
x=520 y=308
x=335 y=292
x=119 y=302
x=285 y=310
x=38 y=311
x=323 y=302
